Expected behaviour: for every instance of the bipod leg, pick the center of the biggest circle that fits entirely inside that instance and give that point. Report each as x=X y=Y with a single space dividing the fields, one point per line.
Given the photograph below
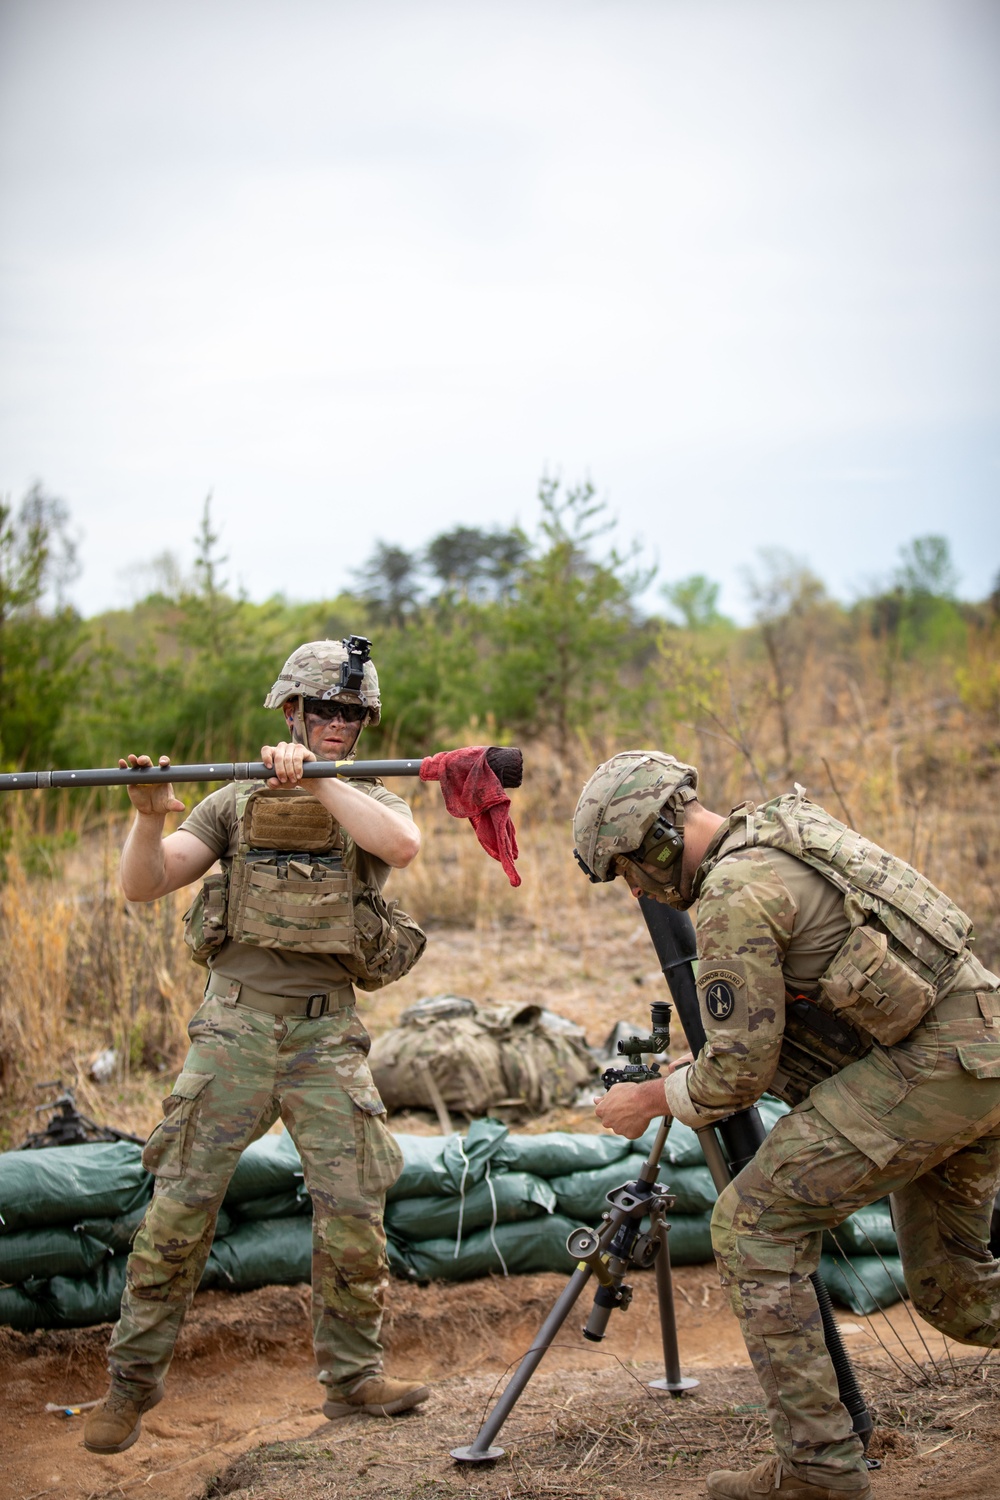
x=481 y=1450
x=675 y=1382
x=582 y=1243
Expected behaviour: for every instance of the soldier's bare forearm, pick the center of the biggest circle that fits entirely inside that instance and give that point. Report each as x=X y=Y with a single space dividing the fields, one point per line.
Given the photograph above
x=373 y=826
x=142 y=872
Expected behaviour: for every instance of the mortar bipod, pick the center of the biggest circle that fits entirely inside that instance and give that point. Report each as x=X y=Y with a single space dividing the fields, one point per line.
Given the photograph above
x=606 y=1253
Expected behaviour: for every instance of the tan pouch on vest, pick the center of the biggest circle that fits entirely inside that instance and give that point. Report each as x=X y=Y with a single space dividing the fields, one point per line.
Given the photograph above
x=286 y=821
x=205 y=918
x=388 y=944
x=874 y=988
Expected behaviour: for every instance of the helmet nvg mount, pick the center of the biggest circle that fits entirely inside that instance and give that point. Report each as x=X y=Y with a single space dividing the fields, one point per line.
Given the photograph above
x=337 y=671
x=633 y=805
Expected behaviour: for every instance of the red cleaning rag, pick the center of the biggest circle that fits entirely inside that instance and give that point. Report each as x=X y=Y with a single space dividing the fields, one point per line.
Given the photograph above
x=472 y=790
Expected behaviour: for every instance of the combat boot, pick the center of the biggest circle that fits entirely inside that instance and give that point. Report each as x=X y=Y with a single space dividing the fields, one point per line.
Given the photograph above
x=115 y=1424
x=770 y=1482
x=378 y=1396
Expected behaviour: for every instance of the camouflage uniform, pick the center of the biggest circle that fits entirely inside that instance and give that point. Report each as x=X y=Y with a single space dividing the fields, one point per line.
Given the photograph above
x=245 y=1069
x=918 y=1119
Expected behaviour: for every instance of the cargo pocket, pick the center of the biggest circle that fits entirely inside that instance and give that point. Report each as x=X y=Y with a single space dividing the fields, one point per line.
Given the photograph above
x=168 y=1148
x=857 y=1102
x=379 y=1158
x=763 y=1277
x=981 y=1057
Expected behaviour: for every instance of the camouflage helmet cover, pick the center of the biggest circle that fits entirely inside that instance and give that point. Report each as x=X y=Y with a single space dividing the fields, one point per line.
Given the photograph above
x=314 y=671
x=621 y=802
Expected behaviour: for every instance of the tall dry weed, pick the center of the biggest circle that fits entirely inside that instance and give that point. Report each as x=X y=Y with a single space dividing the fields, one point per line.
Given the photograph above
x=916 y=768
x=34 y=1011
x=84 y=972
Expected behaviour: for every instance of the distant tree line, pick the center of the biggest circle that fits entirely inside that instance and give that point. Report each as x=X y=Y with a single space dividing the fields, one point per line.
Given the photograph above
x=487 y=634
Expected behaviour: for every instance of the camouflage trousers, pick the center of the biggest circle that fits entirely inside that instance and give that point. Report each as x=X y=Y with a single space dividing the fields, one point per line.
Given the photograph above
x=244 y=1070
x=919 y=1121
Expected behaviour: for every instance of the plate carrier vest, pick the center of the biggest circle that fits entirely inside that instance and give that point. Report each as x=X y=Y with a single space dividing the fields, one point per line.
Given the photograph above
x=907 y=939
x=287 y=888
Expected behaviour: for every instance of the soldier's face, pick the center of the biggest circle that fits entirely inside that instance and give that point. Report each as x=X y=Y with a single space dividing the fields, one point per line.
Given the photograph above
x=329 y=739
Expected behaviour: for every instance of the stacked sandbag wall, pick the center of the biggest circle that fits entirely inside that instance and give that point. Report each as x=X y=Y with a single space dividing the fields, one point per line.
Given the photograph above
x=486 y=1203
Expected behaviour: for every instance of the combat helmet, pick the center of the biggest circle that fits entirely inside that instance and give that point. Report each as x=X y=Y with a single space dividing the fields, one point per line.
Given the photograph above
x=634 y=805
x=337 y=670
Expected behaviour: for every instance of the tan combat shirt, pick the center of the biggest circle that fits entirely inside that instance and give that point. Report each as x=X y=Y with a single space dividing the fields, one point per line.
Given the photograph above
x=278 y=971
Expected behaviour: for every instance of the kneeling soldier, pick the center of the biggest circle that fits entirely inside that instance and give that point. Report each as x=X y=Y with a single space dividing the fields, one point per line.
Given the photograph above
x=295 y=915
x=836 y=976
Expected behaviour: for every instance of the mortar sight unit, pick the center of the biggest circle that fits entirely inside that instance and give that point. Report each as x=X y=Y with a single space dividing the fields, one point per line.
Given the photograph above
x=635 y=1048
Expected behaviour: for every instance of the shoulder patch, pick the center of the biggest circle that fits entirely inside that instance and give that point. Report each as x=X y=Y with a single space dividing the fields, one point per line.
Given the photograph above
x=722 y=989
x=720 y=1000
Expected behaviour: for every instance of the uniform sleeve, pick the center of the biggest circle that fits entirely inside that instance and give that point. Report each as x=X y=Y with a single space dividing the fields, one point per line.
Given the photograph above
x=746 y=915
x=214 y=821
x=371 y=870
x=389 y=799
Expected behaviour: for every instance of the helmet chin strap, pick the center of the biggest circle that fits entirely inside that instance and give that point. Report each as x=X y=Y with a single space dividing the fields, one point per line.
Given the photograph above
x=299 y=723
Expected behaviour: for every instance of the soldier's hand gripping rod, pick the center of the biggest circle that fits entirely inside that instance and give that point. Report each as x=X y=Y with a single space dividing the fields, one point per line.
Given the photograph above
x=742 y=1133
x=504 y=761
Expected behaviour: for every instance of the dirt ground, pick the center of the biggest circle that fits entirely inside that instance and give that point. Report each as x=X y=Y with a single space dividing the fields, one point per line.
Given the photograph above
x=241 y=1417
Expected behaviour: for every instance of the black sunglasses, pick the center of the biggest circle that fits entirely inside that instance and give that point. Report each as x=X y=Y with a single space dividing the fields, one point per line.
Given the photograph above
x=327 y=709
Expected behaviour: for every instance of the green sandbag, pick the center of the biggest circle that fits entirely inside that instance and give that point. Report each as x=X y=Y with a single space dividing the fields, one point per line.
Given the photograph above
x=864 y=1233
x=266 y=1253
x=118 y=1234
x=539 y=1245
x=18 y=1310
x=268 y=1165
x=692 y=1187
x=691 y=1240
x=436 y=1165
x=771 y=1111
x=66 y=1301
x=682 y=1149
x=583 y=1195
x=423 y=1173
x=557 y=1153
x=64 y=1184
x=864 y=1283
x=278 y=1206
x=55 y=1251
x=486 y=1143
x=517 y=1195
x=77 y=1302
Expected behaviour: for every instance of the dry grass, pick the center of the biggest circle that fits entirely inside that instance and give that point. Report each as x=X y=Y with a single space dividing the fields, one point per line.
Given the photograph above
x=86 y=971
x=83 y=970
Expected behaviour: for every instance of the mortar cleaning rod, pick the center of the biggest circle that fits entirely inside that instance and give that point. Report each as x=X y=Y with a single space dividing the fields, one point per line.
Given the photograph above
x=505 y=761
x=253 y=770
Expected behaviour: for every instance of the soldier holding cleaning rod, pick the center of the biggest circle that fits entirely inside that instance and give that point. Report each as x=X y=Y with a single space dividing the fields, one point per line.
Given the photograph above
x=836 y=976
x=293 y=920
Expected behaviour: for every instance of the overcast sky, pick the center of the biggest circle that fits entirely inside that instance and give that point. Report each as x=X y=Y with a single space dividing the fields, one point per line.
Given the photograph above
x=366 y=270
